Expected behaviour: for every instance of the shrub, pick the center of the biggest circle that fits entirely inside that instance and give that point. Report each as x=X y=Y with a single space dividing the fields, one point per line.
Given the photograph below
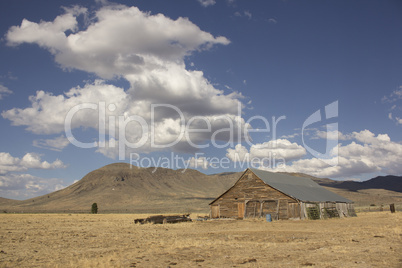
x=94 y=209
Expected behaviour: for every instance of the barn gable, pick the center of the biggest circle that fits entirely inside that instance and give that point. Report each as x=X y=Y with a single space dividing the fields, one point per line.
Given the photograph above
x=257 y=193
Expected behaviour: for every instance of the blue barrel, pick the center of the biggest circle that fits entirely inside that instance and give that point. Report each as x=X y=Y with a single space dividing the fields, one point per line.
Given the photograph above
x=269 y=219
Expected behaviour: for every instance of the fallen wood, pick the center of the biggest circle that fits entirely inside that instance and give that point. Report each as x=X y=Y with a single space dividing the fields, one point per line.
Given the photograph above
x=161 y=219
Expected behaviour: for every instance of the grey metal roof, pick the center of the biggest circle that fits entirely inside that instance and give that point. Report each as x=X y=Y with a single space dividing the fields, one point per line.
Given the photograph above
x=301 y=188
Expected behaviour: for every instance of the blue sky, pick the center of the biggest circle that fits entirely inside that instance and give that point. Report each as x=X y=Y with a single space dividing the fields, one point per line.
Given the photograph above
x=327 y=74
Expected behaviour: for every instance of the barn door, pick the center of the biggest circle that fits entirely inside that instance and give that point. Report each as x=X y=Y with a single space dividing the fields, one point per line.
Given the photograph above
x=253 y=209
x=270 y=207
x=294 y=210
x=215 y=211
x=240 y=210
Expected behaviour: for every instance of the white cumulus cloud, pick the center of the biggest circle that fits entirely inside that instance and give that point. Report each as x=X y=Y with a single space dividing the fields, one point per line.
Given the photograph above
x=14 y=184
x=4 y=91
x=274 y=149
x=199 y=162
x=122 y=40
x=206 y=3
x=209 y=113
x=149 y=52
x=331 y=135
x=280 y=148
x=367 y=153
x=238 y=154
x=24 y=186
x=48 y=112
x=9 y=163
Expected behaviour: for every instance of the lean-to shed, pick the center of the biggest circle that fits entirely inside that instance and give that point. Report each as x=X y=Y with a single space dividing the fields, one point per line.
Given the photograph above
x=257 y=193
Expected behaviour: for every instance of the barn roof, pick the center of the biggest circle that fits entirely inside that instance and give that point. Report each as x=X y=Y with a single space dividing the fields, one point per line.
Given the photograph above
x=301 y=188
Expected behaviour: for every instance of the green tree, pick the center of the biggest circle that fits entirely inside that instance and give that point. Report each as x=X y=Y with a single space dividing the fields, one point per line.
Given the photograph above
x=94 y=209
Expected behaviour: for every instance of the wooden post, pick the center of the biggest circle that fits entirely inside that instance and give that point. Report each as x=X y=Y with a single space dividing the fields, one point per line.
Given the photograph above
x=245 y=208
x=392 y=208
x=261 y=206
x=277 y=210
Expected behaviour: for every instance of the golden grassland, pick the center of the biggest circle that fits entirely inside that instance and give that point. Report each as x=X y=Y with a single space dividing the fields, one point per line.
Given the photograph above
x=112 y=240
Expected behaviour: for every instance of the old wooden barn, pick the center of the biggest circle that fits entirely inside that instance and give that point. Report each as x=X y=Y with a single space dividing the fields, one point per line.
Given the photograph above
x=258 y=193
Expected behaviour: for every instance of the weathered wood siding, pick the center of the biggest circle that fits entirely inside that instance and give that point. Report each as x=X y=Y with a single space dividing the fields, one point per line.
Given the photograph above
x=215 y=211
x=294 y=210
x=258 y=199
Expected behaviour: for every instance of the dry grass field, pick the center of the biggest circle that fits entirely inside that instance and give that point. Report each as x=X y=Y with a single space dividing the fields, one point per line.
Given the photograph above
x=113 y=240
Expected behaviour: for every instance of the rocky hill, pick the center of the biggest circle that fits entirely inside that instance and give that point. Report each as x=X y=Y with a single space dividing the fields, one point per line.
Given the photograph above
x=121 y=187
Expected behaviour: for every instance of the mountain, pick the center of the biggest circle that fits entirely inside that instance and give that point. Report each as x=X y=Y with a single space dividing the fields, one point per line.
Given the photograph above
x=121 y=187
x=4 y=201
x=382 y=190
x=321 y=181
x=392 y=183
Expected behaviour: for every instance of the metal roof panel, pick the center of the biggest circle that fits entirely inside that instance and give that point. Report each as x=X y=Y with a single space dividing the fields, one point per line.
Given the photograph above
x=301 y=188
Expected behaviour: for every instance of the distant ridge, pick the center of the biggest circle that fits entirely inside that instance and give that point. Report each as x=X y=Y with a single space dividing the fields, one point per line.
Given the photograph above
x=123 y=188
x=391 y=183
